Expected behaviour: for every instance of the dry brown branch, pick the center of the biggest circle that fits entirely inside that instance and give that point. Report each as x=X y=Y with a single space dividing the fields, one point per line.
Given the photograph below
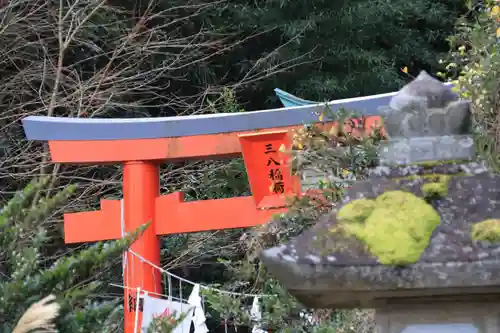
x=91 y=58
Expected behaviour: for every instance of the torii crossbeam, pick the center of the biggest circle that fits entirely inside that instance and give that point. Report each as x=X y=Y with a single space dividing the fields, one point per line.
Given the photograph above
x=141 y=144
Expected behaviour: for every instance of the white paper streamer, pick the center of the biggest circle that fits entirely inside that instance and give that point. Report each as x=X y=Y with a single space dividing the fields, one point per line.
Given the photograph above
x=137 y=303
x=199 y=318
x=256 y=315
x=155 y=307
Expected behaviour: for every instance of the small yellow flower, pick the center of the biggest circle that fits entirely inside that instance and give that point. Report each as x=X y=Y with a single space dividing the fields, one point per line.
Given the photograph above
x=405 y=70
x=321 y=116
x=498 y=32
x=495 y=11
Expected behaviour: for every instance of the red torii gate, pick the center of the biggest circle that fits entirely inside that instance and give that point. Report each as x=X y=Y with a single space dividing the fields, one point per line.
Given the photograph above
x=140 y=145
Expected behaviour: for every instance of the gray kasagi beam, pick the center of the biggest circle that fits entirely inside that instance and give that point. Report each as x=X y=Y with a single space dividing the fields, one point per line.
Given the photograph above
x=73 y=129
x=58 y=128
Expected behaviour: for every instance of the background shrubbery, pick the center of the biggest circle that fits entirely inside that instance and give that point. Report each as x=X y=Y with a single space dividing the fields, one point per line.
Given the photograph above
x=475 y=63
x=87 y=58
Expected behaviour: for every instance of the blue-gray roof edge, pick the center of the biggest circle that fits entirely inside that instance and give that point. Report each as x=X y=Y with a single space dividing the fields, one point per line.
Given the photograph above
x=73 y=129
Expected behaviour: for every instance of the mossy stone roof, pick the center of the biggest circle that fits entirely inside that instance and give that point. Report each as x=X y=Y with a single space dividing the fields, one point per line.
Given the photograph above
x=320 y=261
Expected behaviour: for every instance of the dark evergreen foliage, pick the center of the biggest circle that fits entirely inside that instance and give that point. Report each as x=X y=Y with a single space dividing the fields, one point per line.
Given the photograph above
x=352 y=48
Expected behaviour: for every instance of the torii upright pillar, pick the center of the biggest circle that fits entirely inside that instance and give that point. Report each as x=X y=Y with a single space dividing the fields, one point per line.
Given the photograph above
x=139 y=145
x=140 y=190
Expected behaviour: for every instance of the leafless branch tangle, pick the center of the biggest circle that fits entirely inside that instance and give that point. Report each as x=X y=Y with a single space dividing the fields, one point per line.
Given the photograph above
x=68 y=58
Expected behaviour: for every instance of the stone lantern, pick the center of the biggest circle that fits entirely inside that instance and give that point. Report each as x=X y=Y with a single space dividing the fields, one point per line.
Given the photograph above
x=419 y=240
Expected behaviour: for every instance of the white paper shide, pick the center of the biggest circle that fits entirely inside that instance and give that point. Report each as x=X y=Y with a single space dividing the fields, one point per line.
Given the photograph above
x=156 y=307
x=193 y=311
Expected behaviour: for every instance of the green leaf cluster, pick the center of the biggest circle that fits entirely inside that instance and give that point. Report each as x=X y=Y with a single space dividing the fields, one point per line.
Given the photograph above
x=76 y=279
x=474 y=67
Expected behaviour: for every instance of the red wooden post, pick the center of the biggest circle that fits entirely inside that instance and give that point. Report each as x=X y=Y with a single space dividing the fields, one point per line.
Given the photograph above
x=140 y=190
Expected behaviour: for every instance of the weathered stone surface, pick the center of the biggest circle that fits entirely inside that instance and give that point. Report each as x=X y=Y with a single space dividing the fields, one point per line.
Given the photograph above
x=427 y=148
x=450 y=168
x=426 y=172
x=426 y=107
x=424 y=91
x=320 y=264
x=425 y=121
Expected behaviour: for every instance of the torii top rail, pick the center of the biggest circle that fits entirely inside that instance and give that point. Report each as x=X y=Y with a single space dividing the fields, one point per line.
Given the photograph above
x=140 y=144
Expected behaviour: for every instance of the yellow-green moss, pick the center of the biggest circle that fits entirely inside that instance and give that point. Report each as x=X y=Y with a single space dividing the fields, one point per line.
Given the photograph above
x=438 y=188
x=434 y=177
x=430 y=164
x=396 y=230
x=488 y=230
x=357 y=210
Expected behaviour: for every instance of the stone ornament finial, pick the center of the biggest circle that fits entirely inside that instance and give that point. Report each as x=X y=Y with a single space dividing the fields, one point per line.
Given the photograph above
x=424 y=90
x=426 y=121
x=426 y=107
